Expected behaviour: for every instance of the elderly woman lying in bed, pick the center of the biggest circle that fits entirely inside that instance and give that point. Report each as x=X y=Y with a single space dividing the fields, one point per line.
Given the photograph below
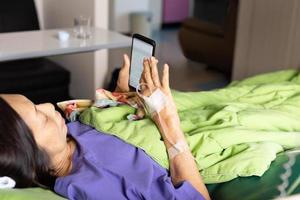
x=38 y=149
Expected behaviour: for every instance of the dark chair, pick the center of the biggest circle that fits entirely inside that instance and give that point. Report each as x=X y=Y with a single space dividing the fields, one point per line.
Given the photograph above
x=40 y=79
x=210 y=43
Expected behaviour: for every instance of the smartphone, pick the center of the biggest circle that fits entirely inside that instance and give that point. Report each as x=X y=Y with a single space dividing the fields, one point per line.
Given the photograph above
x=142 y=47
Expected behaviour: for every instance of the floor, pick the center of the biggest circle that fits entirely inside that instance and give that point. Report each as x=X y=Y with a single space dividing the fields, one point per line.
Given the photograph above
x=185 y=75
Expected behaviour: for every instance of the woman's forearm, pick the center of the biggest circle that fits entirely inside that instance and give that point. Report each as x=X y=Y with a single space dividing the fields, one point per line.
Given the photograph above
x=183 y=166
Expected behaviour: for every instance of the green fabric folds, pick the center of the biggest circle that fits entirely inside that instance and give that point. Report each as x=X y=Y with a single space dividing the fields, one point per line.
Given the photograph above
x=232 y=132
x=29 y=194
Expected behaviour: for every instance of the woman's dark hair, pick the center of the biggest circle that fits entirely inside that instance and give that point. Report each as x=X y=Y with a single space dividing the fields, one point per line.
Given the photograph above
x=20 y=157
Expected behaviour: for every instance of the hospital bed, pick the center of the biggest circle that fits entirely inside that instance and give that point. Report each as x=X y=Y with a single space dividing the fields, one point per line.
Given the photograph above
x=281 y=179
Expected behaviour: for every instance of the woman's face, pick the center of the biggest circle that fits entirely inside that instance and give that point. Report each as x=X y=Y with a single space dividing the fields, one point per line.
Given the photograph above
x=47 y=125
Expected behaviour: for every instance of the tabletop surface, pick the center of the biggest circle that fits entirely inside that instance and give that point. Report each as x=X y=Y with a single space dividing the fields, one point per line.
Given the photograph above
x=42 y=43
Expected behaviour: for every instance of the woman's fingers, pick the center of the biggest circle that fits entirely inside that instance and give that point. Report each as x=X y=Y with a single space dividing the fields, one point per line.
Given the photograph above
x=143 y=86
x=146 y=82
x=124 y=72
x=126 y=61
x=154 y=72
x=122 y=83
x=147 y=74
x=150 y=77
x=125 y=68
x=165 y=78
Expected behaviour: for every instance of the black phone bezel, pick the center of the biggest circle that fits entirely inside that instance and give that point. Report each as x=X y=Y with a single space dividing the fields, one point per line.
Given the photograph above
x=146 y=40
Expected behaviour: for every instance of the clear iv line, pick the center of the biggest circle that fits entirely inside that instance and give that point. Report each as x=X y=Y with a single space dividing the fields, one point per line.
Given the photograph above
x=160 y=121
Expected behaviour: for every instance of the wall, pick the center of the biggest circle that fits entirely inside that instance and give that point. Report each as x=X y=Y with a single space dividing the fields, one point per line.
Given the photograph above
x=175 y=11
x=120 y=11
x=267 y=37
x=39 y=8
x=156 y=8
x=88 y=70
x=101 y=57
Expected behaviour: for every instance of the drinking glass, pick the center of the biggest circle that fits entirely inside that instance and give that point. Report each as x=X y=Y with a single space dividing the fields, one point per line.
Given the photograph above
x=82 y=27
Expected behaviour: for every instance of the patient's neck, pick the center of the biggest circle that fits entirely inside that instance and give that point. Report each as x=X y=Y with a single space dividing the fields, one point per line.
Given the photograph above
x=62 y=163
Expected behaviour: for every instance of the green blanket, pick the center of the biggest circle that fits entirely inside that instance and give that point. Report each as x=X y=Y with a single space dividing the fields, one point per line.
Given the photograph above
x=232 y=132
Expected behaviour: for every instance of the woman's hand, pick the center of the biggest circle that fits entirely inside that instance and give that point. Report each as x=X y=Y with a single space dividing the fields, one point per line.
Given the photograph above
x=123 y=79
x=167 y=120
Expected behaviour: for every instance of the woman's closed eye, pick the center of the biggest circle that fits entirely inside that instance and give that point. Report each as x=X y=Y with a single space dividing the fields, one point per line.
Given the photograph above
x=42 y=117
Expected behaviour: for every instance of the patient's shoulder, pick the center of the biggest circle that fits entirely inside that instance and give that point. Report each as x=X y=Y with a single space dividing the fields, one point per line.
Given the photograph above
x=76 y=128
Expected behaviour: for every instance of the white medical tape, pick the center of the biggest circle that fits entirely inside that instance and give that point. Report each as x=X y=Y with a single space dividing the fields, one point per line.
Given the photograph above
x=155 y=102
x=177 y=148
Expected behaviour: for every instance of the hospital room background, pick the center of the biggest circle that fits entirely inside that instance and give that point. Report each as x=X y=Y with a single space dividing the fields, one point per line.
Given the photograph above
x=207 y=43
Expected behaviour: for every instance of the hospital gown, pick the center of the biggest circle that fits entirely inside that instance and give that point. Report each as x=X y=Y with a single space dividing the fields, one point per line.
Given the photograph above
x=105 y=167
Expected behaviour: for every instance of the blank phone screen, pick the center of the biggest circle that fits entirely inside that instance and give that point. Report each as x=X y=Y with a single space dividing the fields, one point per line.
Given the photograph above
x=140 y=50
